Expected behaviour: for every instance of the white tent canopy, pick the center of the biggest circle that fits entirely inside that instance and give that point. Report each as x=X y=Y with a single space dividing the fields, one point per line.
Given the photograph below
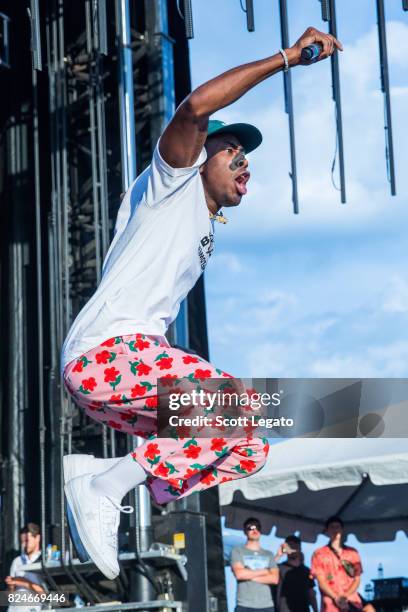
x=304 y=481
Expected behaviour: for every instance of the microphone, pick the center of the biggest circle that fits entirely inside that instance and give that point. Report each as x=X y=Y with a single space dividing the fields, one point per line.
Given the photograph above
x=311 y=52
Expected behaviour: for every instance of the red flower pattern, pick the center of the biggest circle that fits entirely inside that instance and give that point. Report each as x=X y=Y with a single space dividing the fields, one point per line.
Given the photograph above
x=183 y=431
x=187 y=359
x=103 y=357
x=162 y=471
x=93 y=407
x=165 y=363
x=192 y=452
x=167 y=380
x=202 y=374
x=207 y=477
x=152 y=450
x=79 y=366
x=89 y=384
x=247 y=464
x=111 y=374
x=151 y=402
x=138 y=391
x=116 y=399
x=114 y=425
x=141 y=344
x=190 y=472
x=143 y=369
x=217 y=444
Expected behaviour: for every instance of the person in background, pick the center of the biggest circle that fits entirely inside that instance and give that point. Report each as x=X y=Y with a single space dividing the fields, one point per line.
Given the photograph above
x=255 y=570
x=295 y=591
x=21 y=580
x=337 y=568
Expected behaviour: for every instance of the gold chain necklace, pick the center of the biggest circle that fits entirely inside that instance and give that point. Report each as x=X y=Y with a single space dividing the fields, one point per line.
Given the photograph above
x=218 y=217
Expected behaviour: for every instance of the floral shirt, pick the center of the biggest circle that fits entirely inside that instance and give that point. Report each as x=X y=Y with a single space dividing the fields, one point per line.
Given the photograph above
x=326 y=564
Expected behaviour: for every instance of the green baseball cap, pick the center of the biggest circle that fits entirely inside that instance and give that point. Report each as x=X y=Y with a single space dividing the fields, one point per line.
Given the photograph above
x=248 y=135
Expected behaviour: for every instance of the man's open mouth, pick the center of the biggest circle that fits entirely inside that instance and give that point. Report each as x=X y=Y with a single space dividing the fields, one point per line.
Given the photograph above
x=241 y=181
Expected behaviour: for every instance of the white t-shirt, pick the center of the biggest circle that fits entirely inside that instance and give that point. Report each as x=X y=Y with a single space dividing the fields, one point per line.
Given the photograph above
x=163 y=240
x=17 y=571
x=17 y=567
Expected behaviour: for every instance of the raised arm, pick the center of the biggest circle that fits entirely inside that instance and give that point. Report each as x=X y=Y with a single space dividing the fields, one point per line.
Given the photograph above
x=184 y=137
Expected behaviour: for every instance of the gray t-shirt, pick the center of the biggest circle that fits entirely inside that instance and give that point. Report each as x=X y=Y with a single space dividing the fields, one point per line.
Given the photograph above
x=249 y=593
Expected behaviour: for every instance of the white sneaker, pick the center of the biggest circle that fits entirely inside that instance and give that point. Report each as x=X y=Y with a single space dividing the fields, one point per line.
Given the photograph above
x=94 y=521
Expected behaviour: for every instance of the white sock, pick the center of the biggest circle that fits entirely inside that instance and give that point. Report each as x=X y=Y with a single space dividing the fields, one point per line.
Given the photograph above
x=119 y=479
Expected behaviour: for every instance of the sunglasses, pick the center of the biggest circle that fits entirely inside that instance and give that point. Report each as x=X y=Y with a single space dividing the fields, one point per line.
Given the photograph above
x=253 y=528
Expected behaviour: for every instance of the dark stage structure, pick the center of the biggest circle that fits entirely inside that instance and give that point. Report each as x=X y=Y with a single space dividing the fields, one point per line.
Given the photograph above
x=88 y=87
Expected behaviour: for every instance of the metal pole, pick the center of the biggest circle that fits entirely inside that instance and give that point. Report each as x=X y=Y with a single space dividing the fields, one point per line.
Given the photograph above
x=35 y=35
x=17 y=154
x=385 y=88
x=95 y=18
x=93 y=138
x=102 y=40
x=142 y=501
x=64 y=296
x=5 y=58
x=162 y=101
x=126 y=98
x=287 y=83
x=40 y=330
x=325 y=10
x=250 y=15
x=188 y=19
x=52 y=273
x=337 y=100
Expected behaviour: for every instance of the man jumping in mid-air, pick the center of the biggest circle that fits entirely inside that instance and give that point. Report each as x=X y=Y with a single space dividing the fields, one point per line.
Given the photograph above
x=116 y=348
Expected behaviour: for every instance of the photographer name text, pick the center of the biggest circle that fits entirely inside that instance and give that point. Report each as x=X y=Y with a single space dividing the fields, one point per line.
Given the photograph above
x=221 y=421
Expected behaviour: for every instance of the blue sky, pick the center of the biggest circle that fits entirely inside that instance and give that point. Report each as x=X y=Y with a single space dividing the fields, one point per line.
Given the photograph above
x=324 y=293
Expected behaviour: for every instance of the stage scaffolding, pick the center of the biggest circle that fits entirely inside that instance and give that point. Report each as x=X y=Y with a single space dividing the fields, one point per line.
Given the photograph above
x=91 y=85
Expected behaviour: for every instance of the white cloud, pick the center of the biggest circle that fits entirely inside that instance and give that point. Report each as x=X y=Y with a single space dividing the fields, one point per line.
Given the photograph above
x=280 y=359
x=395 y=296
x=348 y=318
x=229 y=262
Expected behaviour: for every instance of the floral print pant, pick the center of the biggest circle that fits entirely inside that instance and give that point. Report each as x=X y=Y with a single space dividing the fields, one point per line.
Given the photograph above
x=115 y=384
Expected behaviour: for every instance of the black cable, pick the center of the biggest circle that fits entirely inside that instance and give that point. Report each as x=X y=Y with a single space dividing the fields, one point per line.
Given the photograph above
x=250 y=15
x=145 y=571
x=387 y=151
x=335 y=155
